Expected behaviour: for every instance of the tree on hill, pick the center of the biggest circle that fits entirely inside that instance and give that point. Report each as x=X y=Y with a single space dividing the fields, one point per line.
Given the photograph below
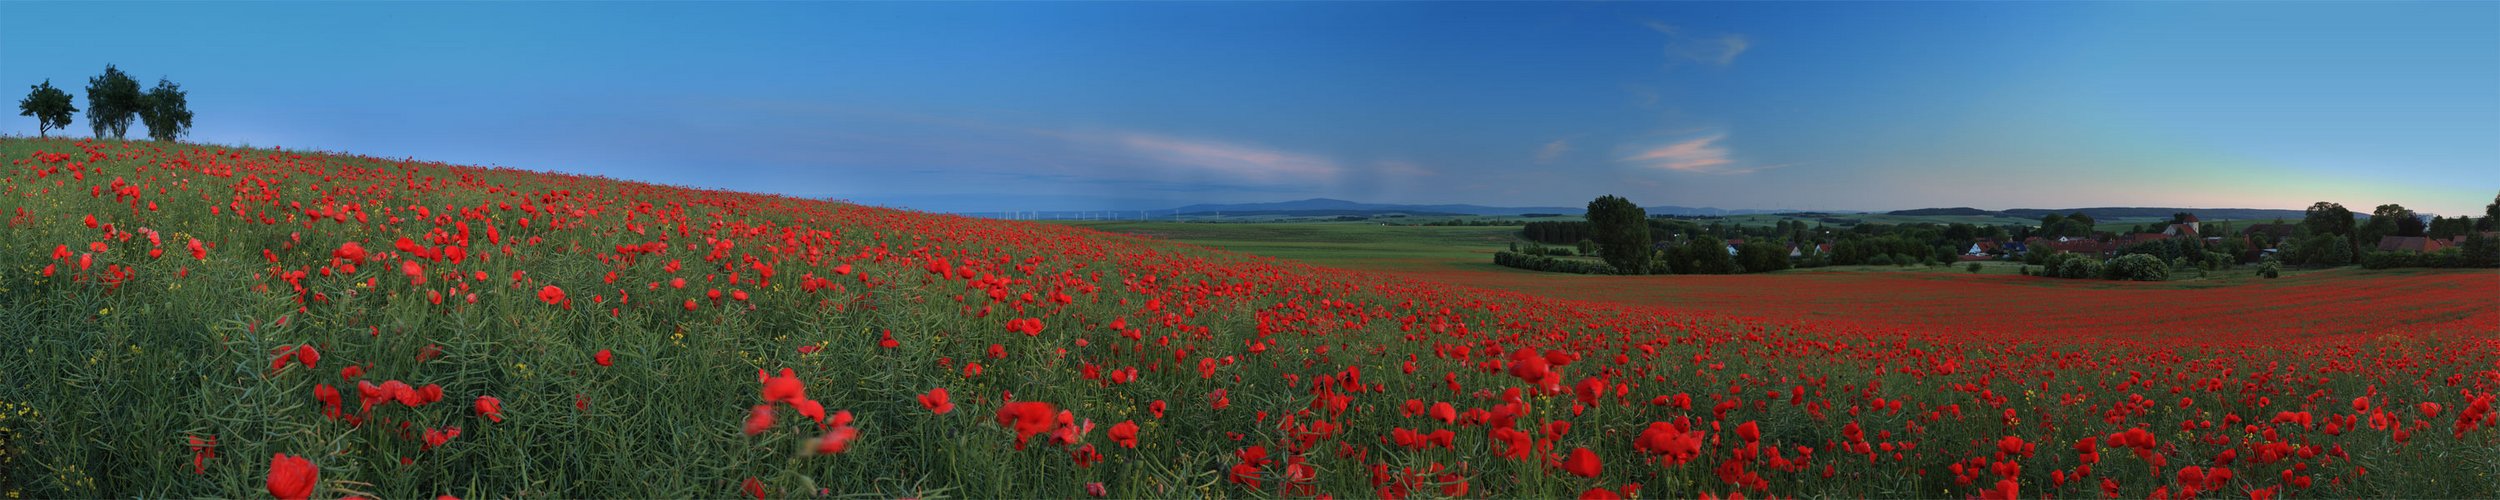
x=1622 y=233
x=2076 y=225
x=1708 y=255
x=2388 y=220
x=50 y=107
x=2491 y=216
x=112 y=102
x=165 y=110
x=2328 y=219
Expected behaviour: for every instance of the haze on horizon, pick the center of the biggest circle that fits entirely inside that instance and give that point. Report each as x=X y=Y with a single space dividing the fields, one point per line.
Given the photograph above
x=1051 y=106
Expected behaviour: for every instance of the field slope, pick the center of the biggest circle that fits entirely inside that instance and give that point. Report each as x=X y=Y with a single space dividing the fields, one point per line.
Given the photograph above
x=202 y=321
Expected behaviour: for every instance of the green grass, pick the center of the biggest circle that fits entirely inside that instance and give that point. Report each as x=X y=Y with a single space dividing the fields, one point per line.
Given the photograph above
x=103 y=380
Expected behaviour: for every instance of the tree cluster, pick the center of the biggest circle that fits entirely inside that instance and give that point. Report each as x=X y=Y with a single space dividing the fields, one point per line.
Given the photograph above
x=114 y=101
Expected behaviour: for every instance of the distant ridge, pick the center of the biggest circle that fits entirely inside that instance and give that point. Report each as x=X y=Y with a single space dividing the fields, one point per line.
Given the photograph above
x=1329 y=206
x=2117 y=212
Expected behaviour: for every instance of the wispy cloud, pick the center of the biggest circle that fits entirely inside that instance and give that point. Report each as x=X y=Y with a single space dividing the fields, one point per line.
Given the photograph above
x=1699 y=155
x=1684 y=45
x=1553 y=150
x=1242 y=162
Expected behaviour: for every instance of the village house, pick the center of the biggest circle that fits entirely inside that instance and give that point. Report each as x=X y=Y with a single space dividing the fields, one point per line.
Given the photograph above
x=2413 y=244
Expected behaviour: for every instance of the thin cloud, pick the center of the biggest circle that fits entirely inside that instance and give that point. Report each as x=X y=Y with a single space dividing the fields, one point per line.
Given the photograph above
x=1699 y=155
x=1553 y=150
x=1717 y=50
x=1247 y=163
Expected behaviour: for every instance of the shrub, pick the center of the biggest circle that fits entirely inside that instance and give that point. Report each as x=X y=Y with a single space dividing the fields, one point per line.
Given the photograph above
x=2079 y=267
x=2137 y=267
x=2270 y=269
x=1550 y=264
x=1973 y=267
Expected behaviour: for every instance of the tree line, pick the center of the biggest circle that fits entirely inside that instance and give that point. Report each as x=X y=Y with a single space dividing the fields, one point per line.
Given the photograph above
x=114 y=101
x=1630 y=242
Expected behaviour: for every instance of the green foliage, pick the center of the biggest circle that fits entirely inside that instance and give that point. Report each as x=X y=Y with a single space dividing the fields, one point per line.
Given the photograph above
x=1973 y=267
x=1622 y=232
x=1759 y=257
x=1550 y=264
x=113 y=101
x=2270 y=269
x=1707 y=255
x=49 y=105
x=2079 y=267
x=166 y=111
x=2138 y=267
x=2491 y=216
x=2480 y=251
x=2076 y=225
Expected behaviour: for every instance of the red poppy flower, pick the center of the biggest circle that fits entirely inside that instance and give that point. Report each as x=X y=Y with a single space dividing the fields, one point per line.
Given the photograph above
x=308 y=355
x=759 y=419
x=784 y=388
x=490 y=407
x=604 y=358
x=292 y=477
x=810 y=408
x=1125 y=434
x=551 y=295
x=349 y=251
x=937 y=402
x=1027 y=418
x=837 y=440
x=1583 y=463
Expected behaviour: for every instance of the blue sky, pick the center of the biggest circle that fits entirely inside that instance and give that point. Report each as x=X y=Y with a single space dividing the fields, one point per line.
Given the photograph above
x=1083 y=106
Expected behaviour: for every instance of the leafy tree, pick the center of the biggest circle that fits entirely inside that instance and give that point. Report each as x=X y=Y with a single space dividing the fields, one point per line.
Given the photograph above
x=2449 y=227
x=2328 y=251
x=50 y=107
x=2491 y=216
x=2388 y=220
x=2480 y=251
x=165 y=110
x=1622 y=233
x=2329 y=219
x=1708 y=255
x=1761 y=257
x=112 y=102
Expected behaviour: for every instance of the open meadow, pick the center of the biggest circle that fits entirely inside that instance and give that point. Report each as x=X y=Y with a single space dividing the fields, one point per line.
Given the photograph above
x=201 y=321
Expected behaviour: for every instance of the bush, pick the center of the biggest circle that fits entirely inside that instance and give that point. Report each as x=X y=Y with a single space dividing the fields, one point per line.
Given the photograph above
x=2137 y=267
x=1550 y=264
x=1879 y=260
x=2387 y=260
x=1973 y=267
x=2270 y=270
x=2078 y=267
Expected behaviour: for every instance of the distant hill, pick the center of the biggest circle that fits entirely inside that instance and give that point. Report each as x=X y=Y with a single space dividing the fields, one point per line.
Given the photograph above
x=1328 y=206
x=2117 y=212
x=1943 y=211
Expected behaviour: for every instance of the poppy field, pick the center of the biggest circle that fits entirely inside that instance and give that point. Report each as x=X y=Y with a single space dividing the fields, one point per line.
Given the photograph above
x=203 y=321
